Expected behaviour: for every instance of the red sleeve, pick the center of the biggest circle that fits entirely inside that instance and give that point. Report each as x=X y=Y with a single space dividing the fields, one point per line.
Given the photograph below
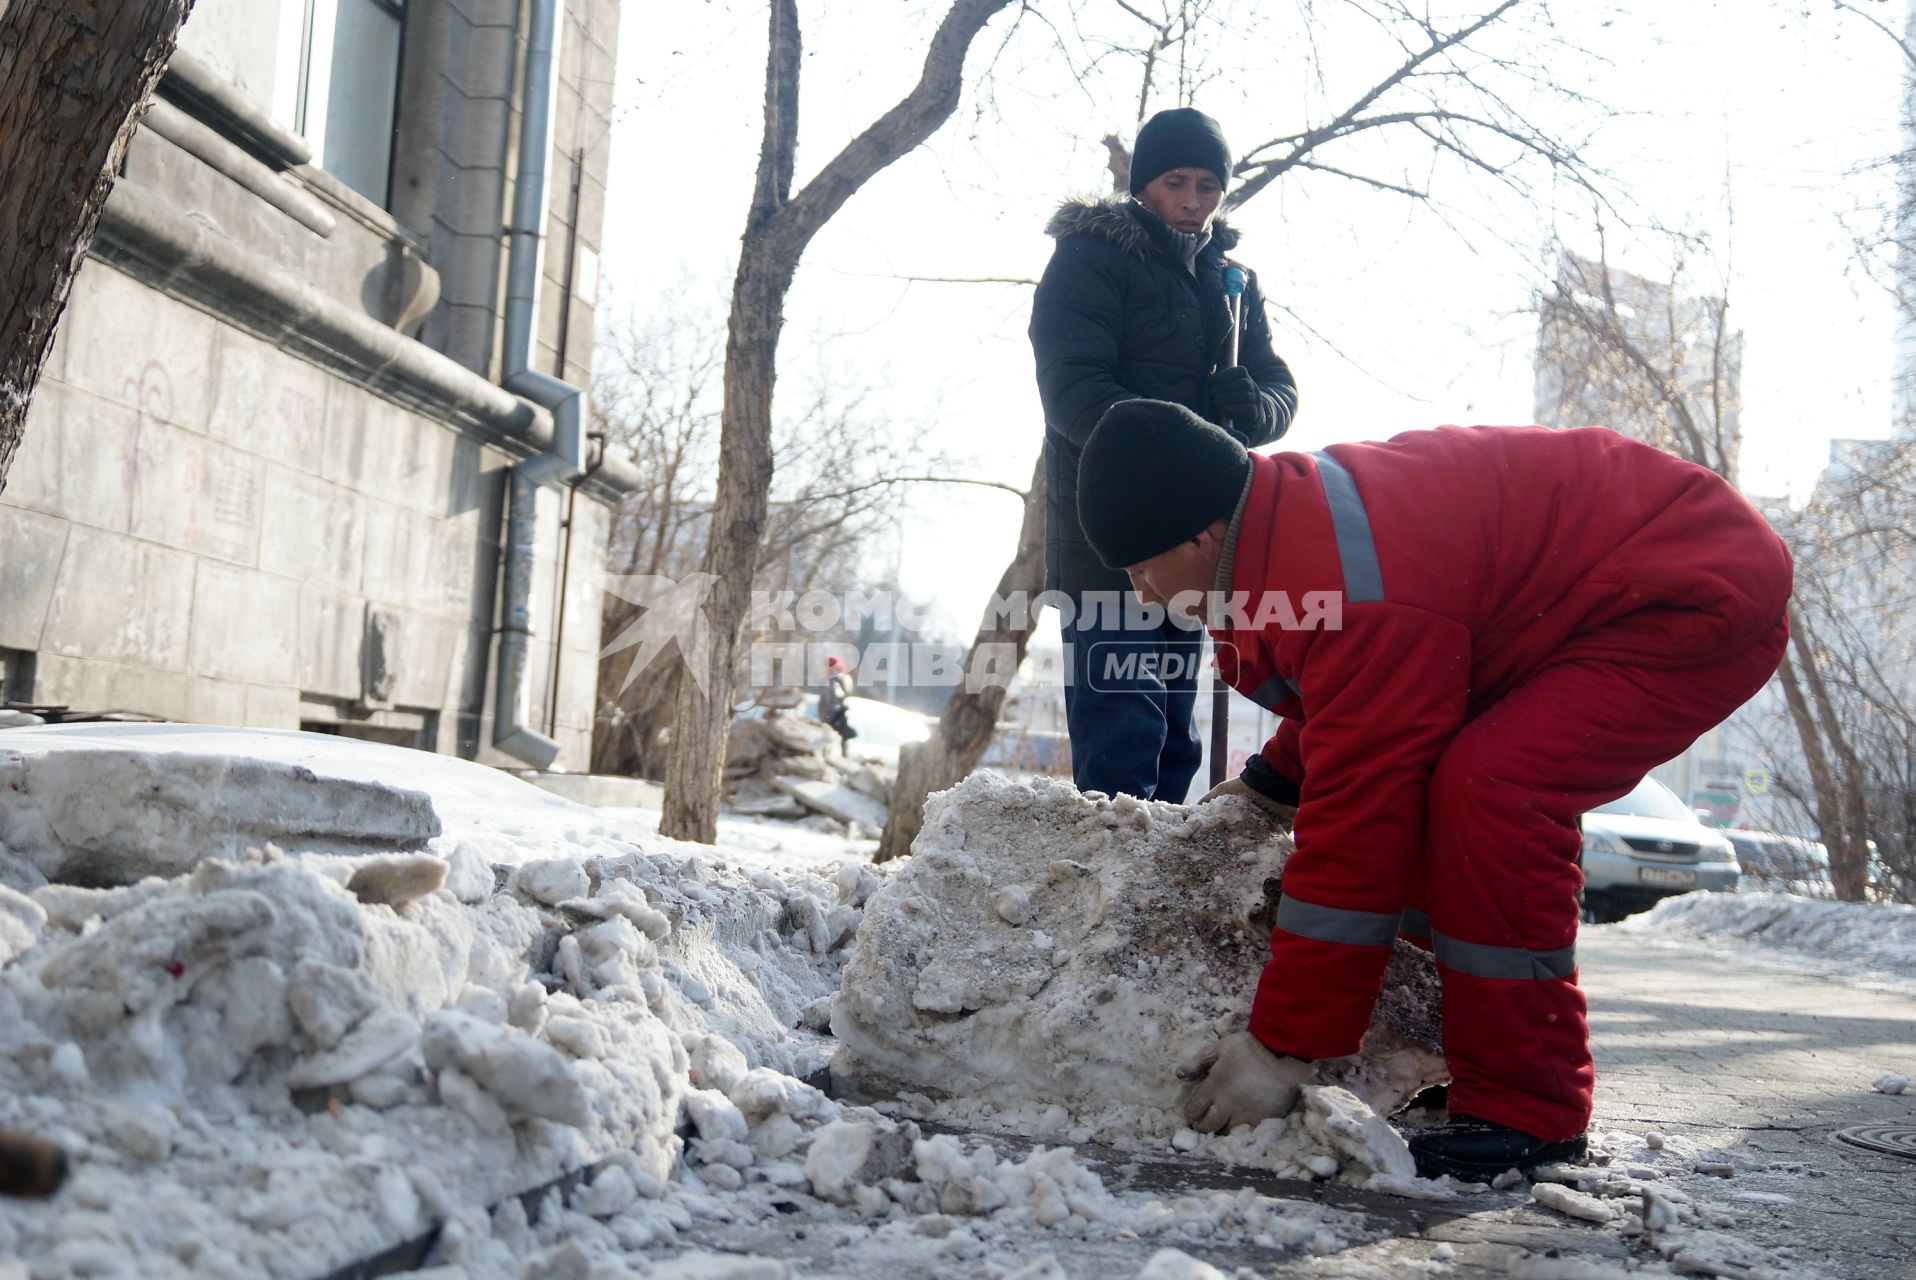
x=1383 y=697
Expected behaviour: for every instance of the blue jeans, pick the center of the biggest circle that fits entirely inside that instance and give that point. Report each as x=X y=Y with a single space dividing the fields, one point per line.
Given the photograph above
x=1128 y=707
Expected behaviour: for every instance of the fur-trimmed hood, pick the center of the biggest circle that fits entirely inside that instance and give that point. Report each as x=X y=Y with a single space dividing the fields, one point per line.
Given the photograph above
x=1115 y=220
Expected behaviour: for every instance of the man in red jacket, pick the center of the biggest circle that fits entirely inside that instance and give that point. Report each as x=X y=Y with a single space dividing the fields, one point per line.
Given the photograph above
x=1472 y=635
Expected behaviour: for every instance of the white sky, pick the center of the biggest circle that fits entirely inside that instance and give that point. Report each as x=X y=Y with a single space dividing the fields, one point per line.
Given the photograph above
x=1748 y=108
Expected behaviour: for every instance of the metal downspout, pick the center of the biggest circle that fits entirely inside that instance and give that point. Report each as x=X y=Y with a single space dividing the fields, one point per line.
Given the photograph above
x=511 y=730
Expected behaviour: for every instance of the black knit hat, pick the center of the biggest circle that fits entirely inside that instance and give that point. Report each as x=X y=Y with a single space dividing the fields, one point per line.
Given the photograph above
x=1181 y=138
x=1154 y=474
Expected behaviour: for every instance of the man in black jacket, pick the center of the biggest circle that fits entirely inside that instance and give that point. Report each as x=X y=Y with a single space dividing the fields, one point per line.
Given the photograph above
x=1133 y=306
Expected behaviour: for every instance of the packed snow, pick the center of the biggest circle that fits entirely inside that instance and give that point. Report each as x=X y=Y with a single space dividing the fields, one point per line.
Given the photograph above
x=539 y=1040
x=1861 y=941
x=1059 y=955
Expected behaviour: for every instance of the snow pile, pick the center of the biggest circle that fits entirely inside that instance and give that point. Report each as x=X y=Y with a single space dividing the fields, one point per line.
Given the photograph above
x=1050 y=957
x=252 y=1054
x=794 y=767
x=1858 y=935
x=275 y=1063
x=279 y=1063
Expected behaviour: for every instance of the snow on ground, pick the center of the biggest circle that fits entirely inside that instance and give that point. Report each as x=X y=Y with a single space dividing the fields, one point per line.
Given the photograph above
x=279 y=1063
x=1869 y=942
x=274 y=1047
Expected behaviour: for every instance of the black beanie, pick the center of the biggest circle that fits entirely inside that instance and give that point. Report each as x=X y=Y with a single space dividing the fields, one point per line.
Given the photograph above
x=1154 y=474
x=1181 y=138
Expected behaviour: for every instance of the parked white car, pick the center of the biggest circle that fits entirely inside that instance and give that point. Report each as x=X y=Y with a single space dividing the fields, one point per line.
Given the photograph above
x=1775 y=863
x=1648 y=846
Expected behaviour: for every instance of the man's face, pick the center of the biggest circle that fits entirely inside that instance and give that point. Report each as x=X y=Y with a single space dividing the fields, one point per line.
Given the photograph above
x=1186 y=199
x=1188 y=569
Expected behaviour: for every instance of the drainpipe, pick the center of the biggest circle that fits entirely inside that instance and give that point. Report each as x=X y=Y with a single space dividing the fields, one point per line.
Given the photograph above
x=511 y=731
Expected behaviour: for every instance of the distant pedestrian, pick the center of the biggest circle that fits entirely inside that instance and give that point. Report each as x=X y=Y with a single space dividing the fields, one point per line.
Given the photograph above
x=833 y=700
x=1133 y=305
x=1472 y=636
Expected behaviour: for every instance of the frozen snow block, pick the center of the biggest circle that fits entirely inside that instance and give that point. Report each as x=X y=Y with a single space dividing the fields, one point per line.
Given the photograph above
x=833 y=799
x=112 y=816
x=1044 y=944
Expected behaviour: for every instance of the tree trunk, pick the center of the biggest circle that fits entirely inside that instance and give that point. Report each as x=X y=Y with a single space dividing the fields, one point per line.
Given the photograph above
x=1840 y=817
x=971 y=714
x=74 y=79
x=1847 y=836
x=777 y=229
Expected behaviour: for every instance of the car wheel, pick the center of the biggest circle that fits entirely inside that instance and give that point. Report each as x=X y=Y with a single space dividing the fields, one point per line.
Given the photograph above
x=1599 y=910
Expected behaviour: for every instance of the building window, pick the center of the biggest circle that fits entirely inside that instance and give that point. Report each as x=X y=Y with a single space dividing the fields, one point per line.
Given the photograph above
x=16 y=676
x=341 y=87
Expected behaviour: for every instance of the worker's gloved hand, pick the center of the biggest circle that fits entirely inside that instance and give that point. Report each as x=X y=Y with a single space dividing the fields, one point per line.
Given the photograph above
x=1239 y=1081
x=1236 y=394
x=1281 y=814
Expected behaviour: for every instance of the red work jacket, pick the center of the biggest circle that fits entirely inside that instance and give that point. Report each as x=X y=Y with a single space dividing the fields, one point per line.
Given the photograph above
x=1428 y=576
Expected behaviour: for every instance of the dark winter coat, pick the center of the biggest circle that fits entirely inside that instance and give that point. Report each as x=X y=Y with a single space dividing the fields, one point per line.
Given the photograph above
x=1118 y=316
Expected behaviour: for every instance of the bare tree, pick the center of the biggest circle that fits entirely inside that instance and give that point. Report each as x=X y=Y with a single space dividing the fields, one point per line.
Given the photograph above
x=840 y=482
x=1442 y=94
x=778 y=227
x=971 y=714
x=74 y=80
x=1643 y=357
x=1849 y=680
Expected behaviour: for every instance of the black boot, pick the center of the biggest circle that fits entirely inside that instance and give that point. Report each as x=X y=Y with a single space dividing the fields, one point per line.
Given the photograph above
x=1473 y=1150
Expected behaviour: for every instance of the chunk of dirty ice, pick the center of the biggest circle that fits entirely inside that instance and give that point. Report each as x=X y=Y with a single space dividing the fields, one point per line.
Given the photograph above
x=393 y=880
x=579 y=1037
x=526 y=1077
x=369 y=1046
x=1012 y=904
x=611 y=1193
x=526 y=1007
x=1574 y=1204
x=717 y=1063
x=328 y=1000
x=469 y=874
x=1175 y=1264
x=21 y=920
x=549 y=880
x=714 y=1115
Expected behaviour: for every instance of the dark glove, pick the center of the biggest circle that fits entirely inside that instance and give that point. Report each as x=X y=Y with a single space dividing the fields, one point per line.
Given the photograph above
x=1237 y=395
x=1260 y=777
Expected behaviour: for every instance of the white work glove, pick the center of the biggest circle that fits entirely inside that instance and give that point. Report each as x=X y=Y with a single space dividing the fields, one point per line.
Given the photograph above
x=1281 y=814
x=1239 y=1081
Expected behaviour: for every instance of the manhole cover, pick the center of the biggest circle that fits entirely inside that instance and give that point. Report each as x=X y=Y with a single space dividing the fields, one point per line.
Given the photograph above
x=1890 y=1139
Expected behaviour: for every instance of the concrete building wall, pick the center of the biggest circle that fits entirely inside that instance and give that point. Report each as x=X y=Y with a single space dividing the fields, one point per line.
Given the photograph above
x=223 y=509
